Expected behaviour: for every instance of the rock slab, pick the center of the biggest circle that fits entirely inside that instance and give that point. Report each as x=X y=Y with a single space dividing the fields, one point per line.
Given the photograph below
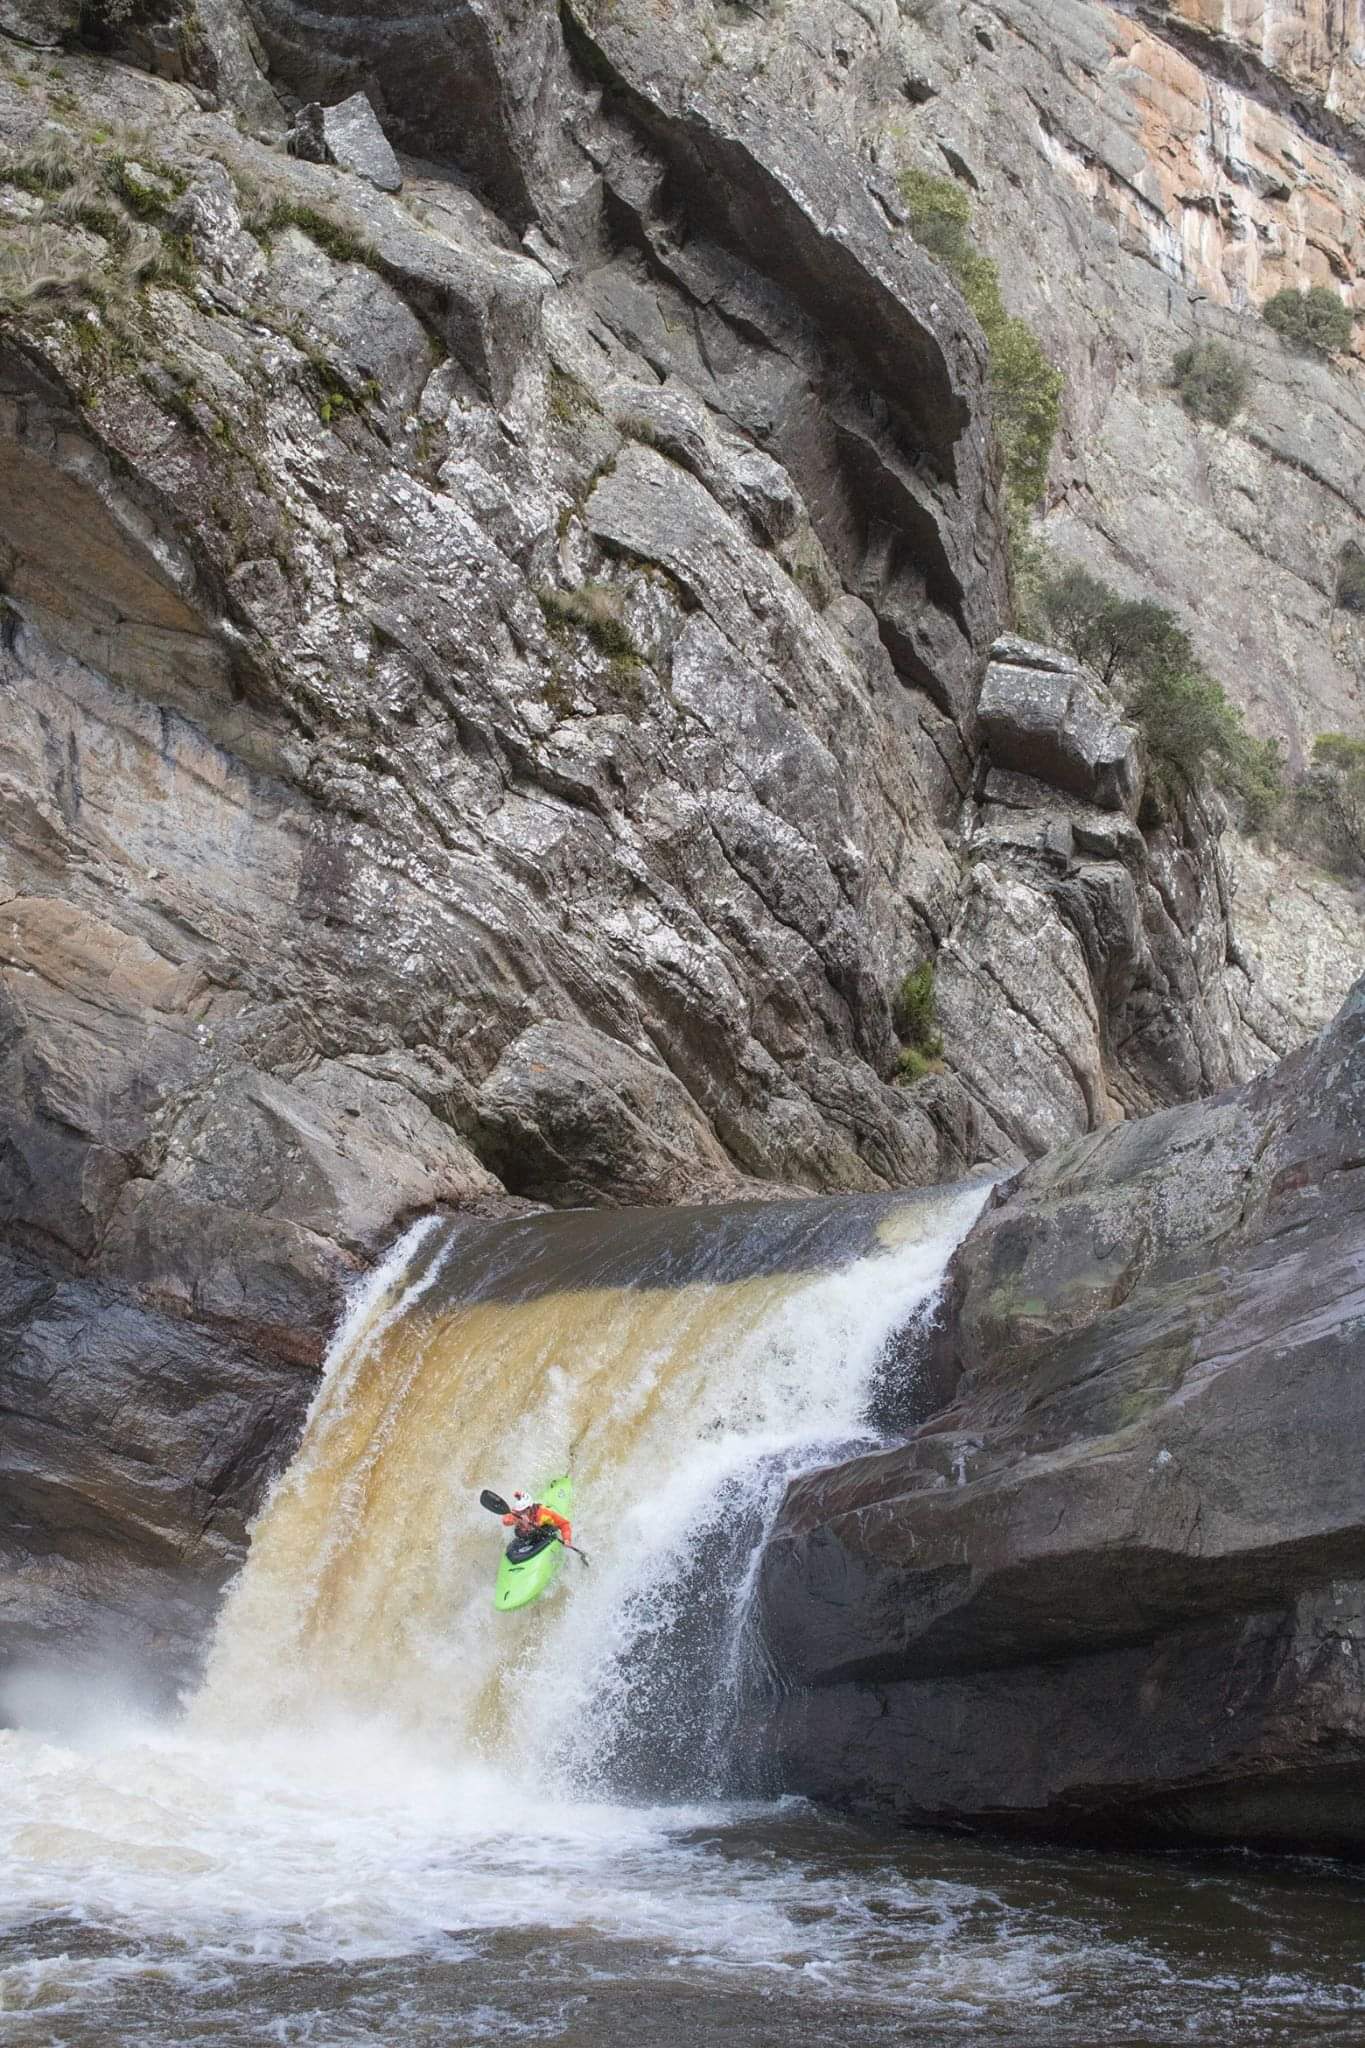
x=356 y=142
x=1117 y=1589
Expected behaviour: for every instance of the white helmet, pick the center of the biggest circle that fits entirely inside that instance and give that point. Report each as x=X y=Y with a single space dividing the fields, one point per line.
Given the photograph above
x=521 y=1499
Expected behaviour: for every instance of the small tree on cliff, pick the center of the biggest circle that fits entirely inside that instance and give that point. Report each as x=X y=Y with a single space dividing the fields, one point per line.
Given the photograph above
x=1190 y=730
x=1316 y=320
x=1212 y=381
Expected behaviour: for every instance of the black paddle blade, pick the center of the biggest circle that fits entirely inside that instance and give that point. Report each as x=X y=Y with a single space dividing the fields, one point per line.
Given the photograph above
x=494 y=1502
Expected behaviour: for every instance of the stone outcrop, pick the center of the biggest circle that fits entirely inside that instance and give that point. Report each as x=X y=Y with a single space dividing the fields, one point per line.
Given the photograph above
x=349 y=136
x=568 y=1112
x=1301 y=933
x=1041 y=716
x=1091 y=967
x=1114 y=1590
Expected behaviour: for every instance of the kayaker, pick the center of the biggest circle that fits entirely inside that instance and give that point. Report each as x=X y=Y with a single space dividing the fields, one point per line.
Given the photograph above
x=530 y=1518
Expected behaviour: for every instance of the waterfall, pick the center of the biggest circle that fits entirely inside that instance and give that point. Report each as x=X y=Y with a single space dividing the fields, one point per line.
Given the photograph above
x=392 y=1814
x=681 y=1364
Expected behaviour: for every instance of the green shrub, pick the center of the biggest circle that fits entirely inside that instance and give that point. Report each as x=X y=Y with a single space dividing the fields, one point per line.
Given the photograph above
x=1259 y=780
x=1189 y=729
x=1185 y=720
x=1191 y=733
x=913 y=1065
x=1341 y=754
x=1324 y=813
x=1213 y=381
x=1316 y=319
x=1119 y=637
x=1027 y=395
x=913 y=1014
x=1351 y=580
x=1026 y=391
x=940 y=215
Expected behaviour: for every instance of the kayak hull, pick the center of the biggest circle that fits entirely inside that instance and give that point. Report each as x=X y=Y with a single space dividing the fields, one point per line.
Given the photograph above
x=521 y=1584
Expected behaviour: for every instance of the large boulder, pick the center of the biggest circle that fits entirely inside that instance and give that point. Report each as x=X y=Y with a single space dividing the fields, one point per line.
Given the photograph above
x=1042 y=715
x=570 y=1116
x=1116 y=1588
x=355 y=141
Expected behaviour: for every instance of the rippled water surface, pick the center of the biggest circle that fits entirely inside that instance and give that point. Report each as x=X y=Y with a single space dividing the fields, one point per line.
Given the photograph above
x=168 y=1890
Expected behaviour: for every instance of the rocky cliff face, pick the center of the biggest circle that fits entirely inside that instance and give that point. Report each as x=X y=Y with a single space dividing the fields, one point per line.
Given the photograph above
x=1147 y=175
x=499 y=690
x=1114 y=1590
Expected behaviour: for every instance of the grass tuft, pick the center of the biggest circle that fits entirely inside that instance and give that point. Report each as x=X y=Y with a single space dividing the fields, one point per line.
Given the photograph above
x=594 y=609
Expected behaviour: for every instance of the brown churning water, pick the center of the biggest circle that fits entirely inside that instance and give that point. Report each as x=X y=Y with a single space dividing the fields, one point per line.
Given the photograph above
x=679 y=1364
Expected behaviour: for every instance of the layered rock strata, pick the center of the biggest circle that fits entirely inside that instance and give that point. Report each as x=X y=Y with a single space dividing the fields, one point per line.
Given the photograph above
x=1115 y=1590
x=443 y=760
x=493 y=710
x=1146 y=176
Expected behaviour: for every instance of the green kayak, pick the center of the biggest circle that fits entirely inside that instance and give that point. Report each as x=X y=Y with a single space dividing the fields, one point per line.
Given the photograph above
x=527 y=1570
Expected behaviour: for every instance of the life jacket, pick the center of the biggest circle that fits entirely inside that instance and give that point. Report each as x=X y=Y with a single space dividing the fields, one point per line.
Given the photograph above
x=526 y=1520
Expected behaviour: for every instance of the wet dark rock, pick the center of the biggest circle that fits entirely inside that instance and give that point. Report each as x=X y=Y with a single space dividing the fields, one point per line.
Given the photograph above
x=133 y=1448
x=1115 y=1588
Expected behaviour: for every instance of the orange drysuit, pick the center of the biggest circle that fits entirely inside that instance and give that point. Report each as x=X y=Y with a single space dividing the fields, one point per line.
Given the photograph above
x=526 y=1521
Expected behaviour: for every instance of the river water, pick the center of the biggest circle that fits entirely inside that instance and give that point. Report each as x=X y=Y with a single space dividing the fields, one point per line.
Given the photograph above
x=169 y=1891
x=390 y=1816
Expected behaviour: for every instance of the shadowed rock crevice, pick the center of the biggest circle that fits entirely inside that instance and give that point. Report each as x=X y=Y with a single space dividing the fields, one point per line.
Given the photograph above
x=883 y=434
